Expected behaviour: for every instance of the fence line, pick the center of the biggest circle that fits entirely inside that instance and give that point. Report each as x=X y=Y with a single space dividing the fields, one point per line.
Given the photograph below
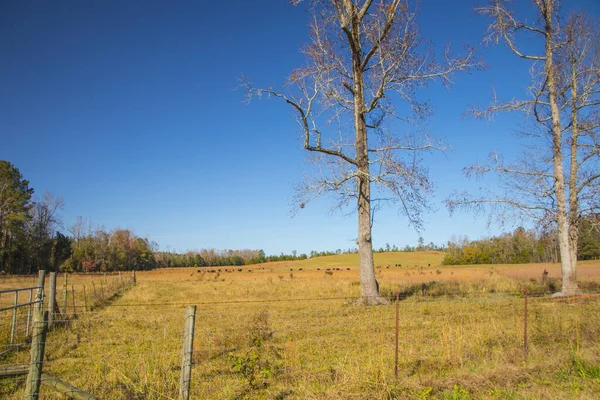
x=41 y=324
x=228 y=338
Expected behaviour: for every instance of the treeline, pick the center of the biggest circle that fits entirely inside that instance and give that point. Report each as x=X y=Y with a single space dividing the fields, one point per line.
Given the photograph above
x=522 y=246
x=119 y=250
x=332 y=253
x=216 y=258
x=30 y=240
x=421 y=246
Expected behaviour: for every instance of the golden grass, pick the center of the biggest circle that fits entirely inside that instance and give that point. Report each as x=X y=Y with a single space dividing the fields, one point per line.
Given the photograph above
x=267 y=334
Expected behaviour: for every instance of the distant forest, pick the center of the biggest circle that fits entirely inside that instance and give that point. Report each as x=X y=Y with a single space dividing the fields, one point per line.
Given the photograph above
x=30 y=240
x=523 y=246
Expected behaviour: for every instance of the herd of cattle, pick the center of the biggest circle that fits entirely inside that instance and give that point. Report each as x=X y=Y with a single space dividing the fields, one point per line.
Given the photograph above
x=219 y=270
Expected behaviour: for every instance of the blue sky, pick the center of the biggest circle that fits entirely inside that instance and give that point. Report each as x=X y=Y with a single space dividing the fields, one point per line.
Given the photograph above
x=128 y=110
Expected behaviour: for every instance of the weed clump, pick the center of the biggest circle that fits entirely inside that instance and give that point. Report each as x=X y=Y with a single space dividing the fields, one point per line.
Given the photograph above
x=260 y=361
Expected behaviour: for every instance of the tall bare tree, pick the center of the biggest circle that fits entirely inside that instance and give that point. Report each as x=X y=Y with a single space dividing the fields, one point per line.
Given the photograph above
x=555 y=181
x=580 y=95
x=366 y=57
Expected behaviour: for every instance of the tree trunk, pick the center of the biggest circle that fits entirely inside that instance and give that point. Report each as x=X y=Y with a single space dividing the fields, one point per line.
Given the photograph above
x=569 y=284
x=573 y=199
x=369 y=287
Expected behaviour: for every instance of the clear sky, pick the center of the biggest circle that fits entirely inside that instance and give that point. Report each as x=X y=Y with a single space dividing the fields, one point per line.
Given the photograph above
x=128 y=111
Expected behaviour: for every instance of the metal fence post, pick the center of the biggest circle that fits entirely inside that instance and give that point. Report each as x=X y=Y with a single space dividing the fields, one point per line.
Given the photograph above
x=85 y=306
x=13 y=326
x=525 y=347
x=73 y=299
x=397 y=334
x=29 y=312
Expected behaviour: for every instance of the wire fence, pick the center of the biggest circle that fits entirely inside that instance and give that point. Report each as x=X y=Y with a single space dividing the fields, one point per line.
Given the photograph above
x=306 y=347
x=13 y=335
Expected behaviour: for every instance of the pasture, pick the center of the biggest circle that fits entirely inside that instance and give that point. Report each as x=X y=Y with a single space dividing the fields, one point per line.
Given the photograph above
x=291 y=330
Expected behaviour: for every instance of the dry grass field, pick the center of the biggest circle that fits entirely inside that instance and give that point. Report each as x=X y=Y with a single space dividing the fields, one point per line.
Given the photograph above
x=291 y=330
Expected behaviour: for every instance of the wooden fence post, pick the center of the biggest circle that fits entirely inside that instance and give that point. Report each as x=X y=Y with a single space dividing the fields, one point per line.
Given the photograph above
x=65 y=294
x=62 y=387
x=40 y=293
x=134 y=279
x=32 y=387
x=51 y=300
x=102 y=290
x=186 y=358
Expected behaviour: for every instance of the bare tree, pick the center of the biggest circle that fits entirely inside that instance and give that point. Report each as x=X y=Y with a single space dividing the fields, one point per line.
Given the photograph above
x=562 y=119
x=363 y=58
x=41 y=227
x=580 y=97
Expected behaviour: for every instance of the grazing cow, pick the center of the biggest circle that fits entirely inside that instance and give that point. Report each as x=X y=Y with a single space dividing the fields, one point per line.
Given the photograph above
x=318 y=269
x=347 y=269
x=299 y=269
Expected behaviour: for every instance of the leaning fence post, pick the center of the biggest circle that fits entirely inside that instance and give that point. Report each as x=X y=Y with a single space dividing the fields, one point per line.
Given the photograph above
x=32 y=387
x=186 y=358
x=51 y=300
